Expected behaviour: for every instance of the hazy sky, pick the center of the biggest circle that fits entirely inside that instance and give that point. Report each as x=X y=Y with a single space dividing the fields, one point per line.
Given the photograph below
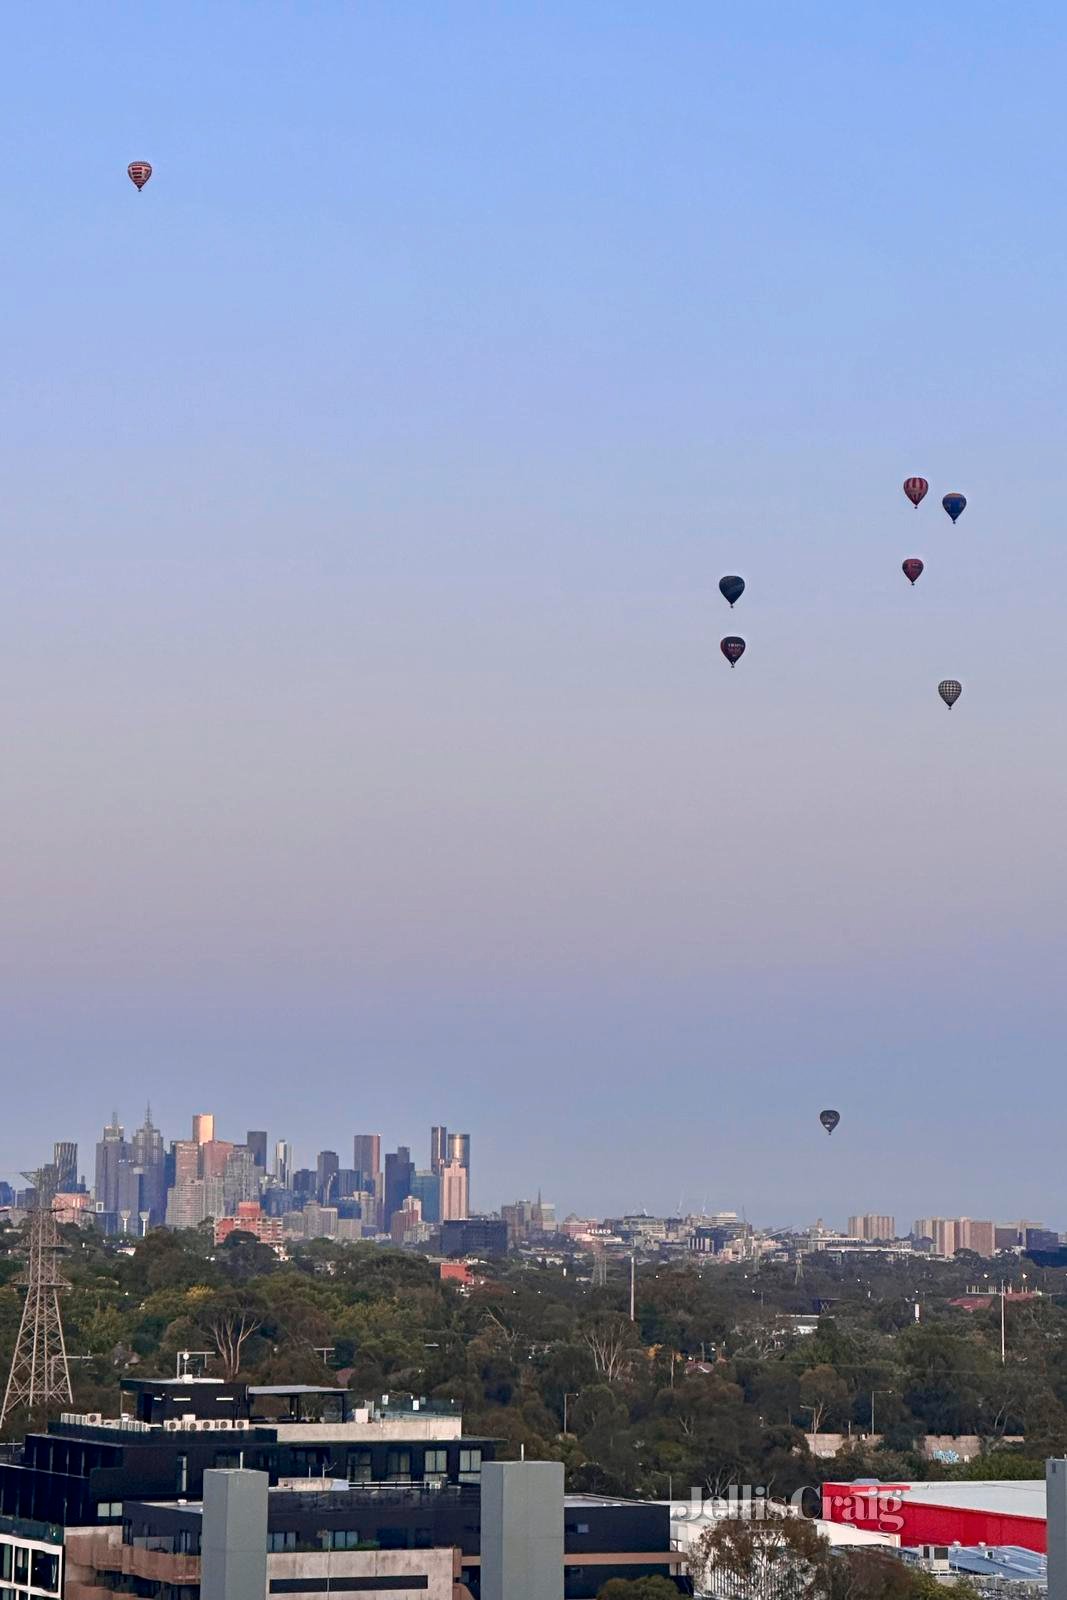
x=368 y=755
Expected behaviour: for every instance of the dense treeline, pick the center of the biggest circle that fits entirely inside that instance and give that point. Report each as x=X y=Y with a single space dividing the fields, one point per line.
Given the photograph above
x=708 y=1386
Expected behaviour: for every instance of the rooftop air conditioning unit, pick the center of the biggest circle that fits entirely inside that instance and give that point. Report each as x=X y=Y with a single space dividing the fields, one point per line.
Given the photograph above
x=224 y=1422
x=172 y=1426
x=241 y=1424
x=206 y=1426
x=94 y=1418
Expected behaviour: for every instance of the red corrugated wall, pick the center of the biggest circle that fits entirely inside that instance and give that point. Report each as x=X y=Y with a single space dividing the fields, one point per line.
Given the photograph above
x=893 y=1509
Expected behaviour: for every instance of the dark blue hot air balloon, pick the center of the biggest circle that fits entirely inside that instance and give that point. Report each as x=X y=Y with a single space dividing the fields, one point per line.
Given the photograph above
x=954 y=504
x=731 y=589
x=829 y=1119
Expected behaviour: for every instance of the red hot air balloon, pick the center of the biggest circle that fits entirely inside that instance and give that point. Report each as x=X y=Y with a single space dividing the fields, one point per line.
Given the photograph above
x=912 y=569
x=732 y=648
x=915 y=489
x=140 y=172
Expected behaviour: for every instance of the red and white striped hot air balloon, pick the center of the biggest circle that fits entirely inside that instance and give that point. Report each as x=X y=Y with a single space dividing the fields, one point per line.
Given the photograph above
x=915 y=489
x=140 y=172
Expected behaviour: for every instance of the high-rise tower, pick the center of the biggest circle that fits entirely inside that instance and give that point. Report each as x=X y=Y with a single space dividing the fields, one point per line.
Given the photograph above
x=438 y=1148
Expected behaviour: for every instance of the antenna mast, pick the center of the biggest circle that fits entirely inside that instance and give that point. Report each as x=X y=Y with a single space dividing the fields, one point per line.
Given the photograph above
x=39 y=1376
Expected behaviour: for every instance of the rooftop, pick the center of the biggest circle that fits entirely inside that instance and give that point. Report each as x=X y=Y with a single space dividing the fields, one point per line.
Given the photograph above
x=1013 y=1497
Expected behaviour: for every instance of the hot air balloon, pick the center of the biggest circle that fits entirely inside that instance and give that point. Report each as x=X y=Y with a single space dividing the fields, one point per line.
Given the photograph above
x=950 y=691
x=731 y=589
x=140 y=172
x=732 y=648
x=954 y=504
x=829 y=1119
x=915 y=489
x=912 y=569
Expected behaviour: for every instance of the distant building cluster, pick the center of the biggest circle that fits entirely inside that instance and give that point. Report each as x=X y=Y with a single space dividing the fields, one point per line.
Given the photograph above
x=246 y=1187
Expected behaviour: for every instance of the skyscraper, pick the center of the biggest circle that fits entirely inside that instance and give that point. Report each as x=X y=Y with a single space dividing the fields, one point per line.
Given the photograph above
x=147 y=1153
x=65 y=1161
x=367 y=1159
x=326 y=1169
x=426 y=1188
x=283 y=1163
x=256 y=1140
x=459 y=1149
x=110 y=1151
x=203 y=1127
x=438 y=1153
x=399 y=1176
x=455 y=1203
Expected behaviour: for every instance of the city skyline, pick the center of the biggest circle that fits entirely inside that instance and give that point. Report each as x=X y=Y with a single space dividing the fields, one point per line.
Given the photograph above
x=444 y=1149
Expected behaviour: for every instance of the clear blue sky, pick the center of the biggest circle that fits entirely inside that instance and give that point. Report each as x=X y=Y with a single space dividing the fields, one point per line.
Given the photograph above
x=368 y=754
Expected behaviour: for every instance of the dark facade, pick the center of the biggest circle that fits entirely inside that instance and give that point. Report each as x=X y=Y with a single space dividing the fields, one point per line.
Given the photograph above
x=399 y=1176
x=474 y=1236
x=256 y=1140
x=80 y=1476
x=418 y=1517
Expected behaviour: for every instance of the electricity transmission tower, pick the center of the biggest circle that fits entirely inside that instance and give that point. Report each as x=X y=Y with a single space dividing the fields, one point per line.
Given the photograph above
x=39 y=1376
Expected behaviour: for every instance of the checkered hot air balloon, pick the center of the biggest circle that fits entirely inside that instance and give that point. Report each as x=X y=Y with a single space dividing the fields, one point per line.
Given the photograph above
x=915 y=489
x=140 y=172
x=950 y=691
x=732 y=648
x=912 y=568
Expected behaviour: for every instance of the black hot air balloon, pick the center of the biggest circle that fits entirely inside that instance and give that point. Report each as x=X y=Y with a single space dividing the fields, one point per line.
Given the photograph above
x=950 y=691
x=954 y=504
x=912 y=569
x=140 y=172
x=732 y=648
x=731 y=589
x=829 y=1119
x=915 y=489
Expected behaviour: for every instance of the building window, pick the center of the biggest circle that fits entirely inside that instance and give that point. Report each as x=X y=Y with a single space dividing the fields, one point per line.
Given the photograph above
x=282 y=1540
x=45 y=1571
x=227 y=1459
x=5 y=1560
x=435 y=1464
x=359 y=1466
x=398 y=1464
x=108 y=1508
x=181 y=1474
x=22 y=1565
x=470 y=1466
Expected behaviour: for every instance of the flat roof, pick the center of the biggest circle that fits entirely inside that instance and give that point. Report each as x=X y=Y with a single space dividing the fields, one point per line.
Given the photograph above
x=1009 y=1497
x=296 y=1388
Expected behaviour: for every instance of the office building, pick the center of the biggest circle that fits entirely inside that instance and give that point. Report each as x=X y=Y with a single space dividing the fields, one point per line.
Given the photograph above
x=326 y=1170
x=111 y=1152
x=454 y=1192
x=65 y=1161
x=367 y=1159
x=474 y=1236
x=438 y=1148
x=283 y=1164
x=147 y=1154
x=459 y=1149
x=399 y=1176
x=426 y=1189
x=872 y=1225
x=256 y=1140
x=240 y=1179
x=203 y=1127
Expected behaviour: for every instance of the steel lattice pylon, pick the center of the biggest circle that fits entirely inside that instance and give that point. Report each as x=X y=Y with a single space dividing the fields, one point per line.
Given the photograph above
x=39 y=1376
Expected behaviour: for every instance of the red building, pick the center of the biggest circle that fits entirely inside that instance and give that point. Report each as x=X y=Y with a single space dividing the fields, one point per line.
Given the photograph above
x=995 y=1512
x=250 y=1219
